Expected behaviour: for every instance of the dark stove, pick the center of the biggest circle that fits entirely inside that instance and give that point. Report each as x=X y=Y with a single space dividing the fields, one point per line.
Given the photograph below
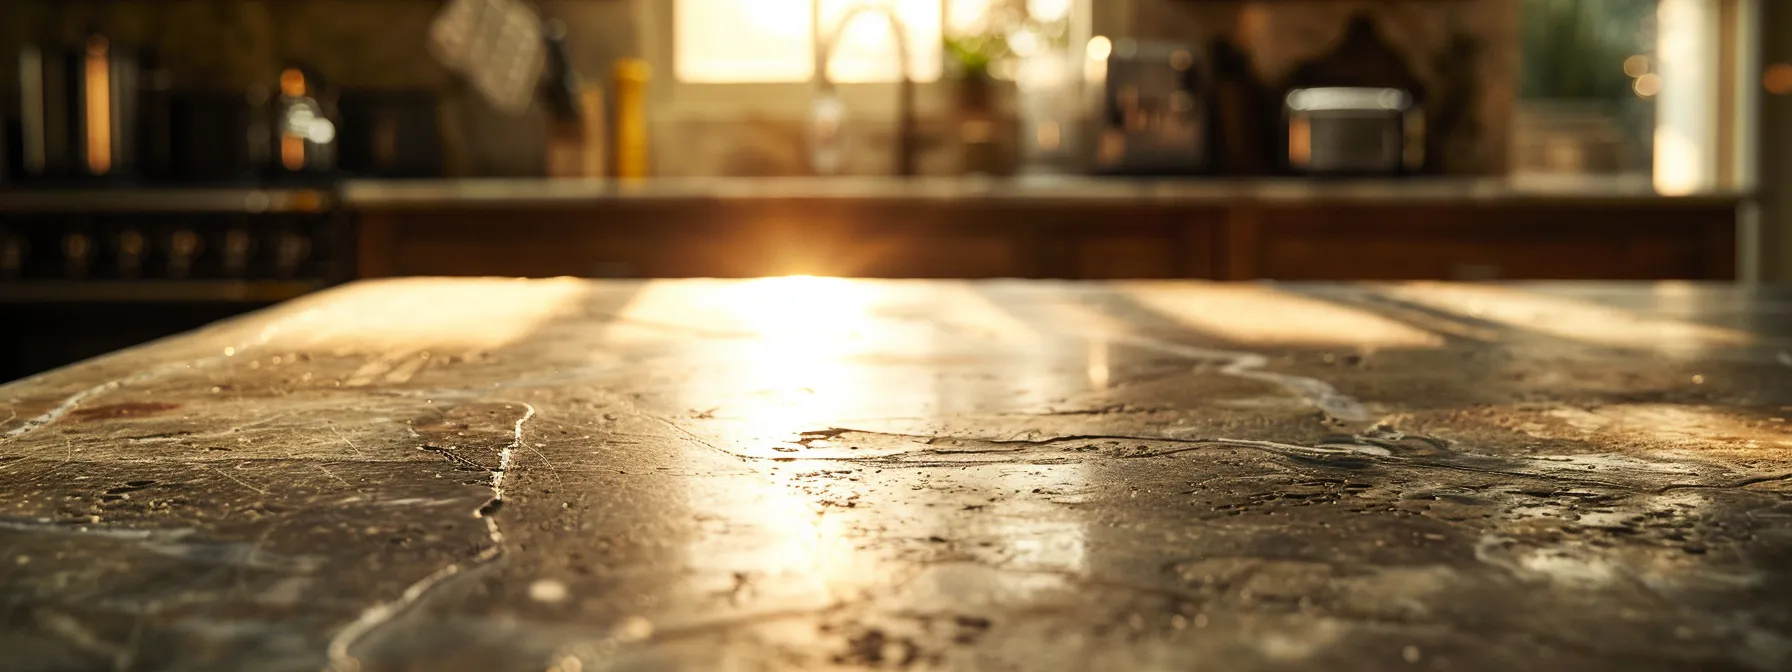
x=88 y=271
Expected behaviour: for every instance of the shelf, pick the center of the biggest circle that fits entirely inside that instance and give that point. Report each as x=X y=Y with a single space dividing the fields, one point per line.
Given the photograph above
x=149 y=200
x=154 y=291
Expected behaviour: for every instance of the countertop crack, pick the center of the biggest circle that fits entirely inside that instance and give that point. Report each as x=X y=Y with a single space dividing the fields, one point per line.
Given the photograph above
x=75 y=400
x=68 y=405
x=1251 y=366
x=341 y=660
x=1725 y=486
x=505 y=458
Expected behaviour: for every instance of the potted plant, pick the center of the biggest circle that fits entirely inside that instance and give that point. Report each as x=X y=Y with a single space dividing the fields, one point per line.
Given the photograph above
x=972 y=57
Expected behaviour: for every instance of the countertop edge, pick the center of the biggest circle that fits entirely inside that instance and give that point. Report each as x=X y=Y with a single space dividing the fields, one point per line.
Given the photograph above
x=475 y=194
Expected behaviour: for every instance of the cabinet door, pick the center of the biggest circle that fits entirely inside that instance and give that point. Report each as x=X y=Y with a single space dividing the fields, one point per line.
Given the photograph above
x=1488 y=243
x=544 y=244
x=877 y=239
x=695 y=240
x=1138 y=243
x=1128 y=255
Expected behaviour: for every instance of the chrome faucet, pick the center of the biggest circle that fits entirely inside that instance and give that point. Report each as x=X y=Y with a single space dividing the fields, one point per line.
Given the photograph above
x=828 y=113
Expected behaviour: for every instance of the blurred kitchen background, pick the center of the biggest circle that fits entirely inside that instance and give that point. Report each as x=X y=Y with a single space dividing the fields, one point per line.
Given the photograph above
x=173 y=162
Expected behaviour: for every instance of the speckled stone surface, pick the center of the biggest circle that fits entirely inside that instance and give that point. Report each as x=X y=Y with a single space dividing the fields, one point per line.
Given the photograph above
x=807 y=473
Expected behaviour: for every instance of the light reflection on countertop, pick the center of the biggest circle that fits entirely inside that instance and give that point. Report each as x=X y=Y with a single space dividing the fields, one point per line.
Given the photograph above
x=411 y=194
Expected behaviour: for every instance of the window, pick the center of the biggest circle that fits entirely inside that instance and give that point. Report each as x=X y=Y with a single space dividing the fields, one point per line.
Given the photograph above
x=736 y=41
x=1591 y=77
x=1649 y=88
x=772 y=41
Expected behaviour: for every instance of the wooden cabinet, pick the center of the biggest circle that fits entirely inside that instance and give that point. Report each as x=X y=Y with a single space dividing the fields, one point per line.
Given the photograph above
x=1484 y=242
x=1137 y=244
x=756 y=238
x=991 y=238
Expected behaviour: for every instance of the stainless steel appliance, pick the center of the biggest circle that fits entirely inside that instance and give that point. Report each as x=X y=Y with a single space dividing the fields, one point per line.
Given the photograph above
x=1353 y=131
x=1152 y=115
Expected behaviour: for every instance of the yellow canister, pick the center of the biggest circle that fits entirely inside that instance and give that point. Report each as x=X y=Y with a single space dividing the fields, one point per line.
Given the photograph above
x=629 y=80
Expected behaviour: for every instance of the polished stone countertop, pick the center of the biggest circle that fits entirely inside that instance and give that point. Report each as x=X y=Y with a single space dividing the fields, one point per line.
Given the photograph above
x=818 y=474
x=428 y=194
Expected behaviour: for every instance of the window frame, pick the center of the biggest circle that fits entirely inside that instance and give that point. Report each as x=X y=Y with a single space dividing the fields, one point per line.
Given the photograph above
x=734 y=101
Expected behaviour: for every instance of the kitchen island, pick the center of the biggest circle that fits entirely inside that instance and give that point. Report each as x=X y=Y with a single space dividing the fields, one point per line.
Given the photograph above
x=808 y=473
x=1487 y=228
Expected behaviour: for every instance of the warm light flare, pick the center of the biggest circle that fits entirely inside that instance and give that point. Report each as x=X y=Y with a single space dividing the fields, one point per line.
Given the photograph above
x=1100 y=47
x=1778 y=79
x=1048 y=10
x=292 y=82
x=788 y=306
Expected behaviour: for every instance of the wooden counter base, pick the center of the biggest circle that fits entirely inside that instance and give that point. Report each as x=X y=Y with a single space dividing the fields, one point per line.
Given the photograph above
x=1665 y=239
